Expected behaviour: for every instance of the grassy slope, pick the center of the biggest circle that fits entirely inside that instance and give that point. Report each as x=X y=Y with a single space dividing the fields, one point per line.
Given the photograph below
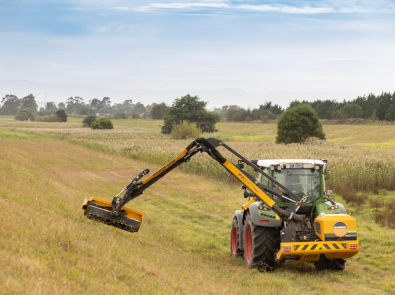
x=47 y=246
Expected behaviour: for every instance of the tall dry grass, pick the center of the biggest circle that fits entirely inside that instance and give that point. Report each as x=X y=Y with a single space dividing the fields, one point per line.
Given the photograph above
x=359 y=168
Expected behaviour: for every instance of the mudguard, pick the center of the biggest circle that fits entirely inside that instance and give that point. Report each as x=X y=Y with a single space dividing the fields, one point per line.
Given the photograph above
x=256 y=218
x=240 y=216
x=341 y=208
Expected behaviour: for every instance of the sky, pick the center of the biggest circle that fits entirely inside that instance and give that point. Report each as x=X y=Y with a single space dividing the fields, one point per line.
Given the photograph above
x=255 y=46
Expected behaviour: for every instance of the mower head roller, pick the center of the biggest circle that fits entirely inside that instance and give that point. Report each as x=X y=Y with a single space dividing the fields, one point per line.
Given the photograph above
x=100 y=210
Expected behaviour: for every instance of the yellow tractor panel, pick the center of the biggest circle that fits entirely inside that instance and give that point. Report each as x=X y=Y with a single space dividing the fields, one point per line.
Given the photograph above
x=310 y=251
x=335 y=227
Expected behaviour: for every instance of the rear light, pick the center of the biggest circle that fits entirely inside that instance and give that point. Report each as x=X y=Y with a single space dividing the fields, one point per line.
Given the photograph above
x=353 y=245
x=333 y=207
x=287 y=248
x=264 y=221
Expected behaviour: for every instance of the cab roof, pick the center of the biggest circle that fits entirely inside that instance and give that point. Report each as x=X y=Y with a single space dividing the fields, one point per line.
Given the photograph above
x=268 y=163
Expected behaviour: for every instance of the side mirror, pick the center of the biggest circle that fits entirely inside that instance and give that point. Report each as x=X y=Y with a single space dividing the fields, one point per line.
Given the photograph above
x=328 y=192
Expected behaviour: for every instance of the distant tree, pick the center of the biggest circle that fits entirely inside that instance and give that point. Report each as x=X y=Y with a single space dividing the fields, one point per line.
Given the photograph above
x=102 y=123
x=352 y=110
x=340 y=116
x=61 y=105
x=96 y=104
x=383 y=104
x=29 y=102
x=192 y=109
x=11 y=105
x=51 y=106
x=139 y=107
x=274 y=109
x=88 y=120
x=70 y=109
x=128 y=103
x=158 y=111
x=298 y=124
x=86 y=110
x=105 y=102
x=121 y=115
x=109 y=110
x=61 y=113
x=390 y=114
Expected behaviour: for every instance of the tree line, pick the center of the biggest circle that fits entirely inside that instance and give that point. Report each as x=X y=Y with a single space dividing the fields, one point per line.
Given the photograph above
x=380 y=107
x=12 y=105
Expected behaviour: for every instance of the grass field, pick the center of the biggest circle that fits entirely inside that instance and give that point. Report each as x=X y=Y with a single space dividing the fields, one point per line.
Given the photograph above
x=47 y=245
x=364 y=160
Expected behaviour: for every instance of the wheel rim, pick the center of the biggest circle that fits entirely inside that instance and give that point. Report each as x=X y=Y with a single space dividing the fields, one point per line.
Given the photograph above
x=234 y=240
x=248 y=243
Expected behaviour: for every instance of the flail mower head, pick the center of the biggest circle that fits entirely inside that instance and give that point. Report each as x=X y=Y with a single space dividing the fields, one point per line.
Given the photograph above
x=100 y=210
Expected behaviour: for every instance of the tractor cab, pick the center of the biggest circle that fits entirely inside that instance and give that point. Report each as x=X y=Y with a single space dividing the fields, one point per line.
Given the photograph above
x=305 y=178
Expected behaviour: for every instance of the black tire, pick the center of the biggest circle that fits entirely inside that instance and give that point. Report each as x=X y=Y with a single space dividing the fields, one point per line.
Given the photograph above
x=235 y=239
x=259 y=245
x=337 y=264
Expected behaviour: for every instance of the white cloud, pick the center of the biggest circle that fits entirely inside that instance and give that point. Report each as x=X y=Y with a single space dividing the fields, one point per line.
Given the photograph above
x=326 y=7
x=286 y=9
x=262 y=8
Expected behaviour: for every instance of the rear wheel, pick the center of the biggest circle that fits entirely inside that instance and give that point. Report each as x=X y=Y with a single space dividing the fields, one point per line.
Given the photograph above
x=235 y=239
x=338 y=264
x=259 y=245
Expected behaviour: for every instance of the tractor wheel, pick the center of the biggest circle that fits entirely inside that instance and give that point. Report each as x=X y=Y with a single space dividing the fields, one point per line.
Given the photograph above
x=235 y=239
x=259 y=245
x=337 y=264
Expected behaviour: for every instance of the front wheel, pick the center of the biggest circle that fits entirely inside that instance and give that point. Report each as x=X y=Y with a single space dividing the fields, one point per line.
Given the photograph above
x=235 y=239
x=259 y=245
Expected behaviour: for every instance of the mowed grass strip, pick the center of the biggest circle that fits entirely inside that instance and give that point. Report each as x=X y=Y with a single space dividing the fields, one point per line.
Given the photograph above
x=47 y=246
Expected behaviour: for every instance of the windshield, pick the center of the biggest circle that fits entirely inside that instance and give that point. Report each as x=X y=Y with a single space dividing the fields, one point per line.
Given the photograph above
x=302 y=182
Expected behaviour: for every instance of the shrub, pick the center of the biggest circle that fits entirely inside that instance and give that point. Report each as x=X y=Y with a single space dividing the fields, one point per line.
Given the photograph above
x=121 y=115
x=22 y=116
x=50 y=118
x=61 y=113
x=102 y=123
x=298 y=124
x=88 y=120
x=185 y=130
x=136 y=115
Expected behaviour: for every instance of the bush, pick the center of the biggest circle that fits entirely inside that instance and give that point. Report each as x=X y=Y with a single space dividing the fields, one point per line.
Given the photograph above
x=50 y=118
x=185 y=130
x=121 y=115
x=136 y=115
x=102 y=123
x=61 y=113
x=298 y=124
x=22 y=116
x=88 y=120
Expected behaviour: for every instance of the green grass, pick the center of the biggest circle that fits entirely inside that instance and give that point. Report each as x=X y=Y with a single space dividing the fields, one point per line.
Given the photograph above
x=47 y=246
